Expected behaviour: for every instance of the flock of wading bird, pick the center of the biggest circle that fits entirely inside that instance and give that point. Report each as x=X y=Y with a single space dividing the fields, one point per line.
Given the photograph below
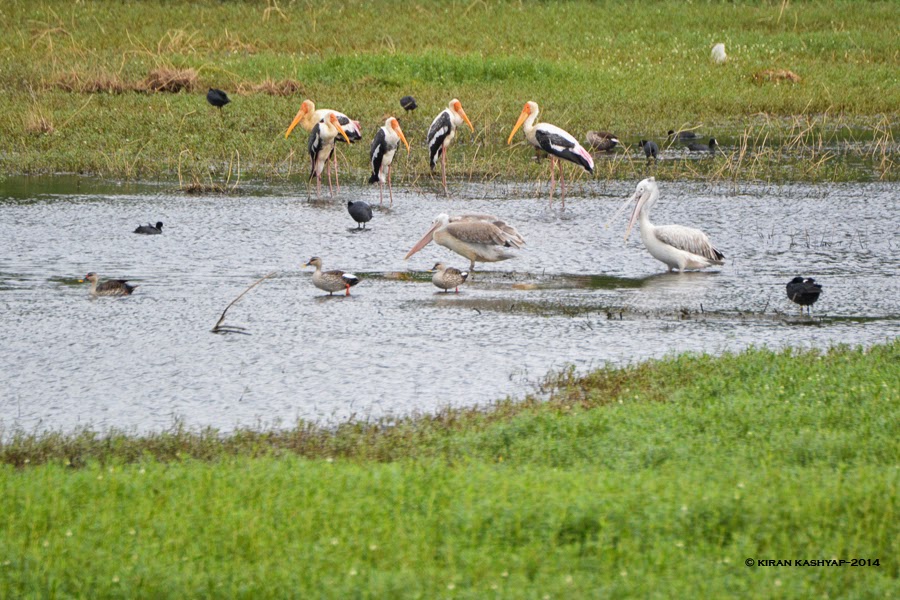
x=477 y=236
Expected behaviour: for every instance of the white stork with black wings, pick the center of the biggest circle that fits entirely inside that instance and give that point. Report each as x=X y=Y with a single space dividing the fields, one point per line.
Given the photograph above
x=381 y=155
x=677 y=246
x=321 y=146
x=442 y=132
x=308 y=117
x=556 y=142
x=476 y=236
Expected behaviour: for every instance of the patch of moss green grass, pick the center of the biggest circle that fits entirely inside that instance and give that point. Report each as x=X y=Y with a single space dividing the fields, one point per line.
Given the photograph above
x=637 y=69
x=654 y=481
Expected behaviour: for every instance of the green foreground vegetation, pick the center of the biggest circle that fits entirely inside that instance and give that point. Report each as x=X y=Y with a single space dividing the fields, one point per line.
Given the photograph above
x=653 y=481
x=79 y=84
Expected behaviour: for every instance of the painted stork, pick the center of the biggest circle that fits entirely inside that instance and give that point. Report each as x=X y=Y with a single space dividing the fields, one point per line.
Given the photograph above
x=307 y=117
x=803 y=292
x=321 y=146
x=381 y=155
x=442 y=132
x=331 y=281
x=476 y=236
x=149 y=229
x=111 y=287
x=677 y=246
x=559 y=144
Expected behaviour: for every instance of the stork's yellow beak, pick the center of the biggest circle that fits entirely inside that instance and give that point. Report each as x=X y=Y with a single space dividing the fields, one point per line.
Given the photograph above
x=525 y=112
x=304 y=110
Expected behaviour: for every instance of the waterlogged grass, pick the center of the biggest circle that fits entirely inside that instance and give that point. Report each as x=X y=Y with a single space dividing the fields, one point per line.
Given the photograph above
x=657 y=480
x=638 y=70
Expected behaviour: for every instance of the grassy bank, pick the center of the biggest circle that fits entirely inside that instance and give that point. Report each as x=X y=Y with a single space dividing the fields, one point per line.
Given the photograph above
x=658 y=480
x=79 y=84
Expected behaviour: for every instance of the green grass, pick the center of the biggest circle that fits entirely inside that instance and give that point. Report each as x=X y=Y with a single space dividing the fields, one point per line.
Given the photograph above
x=636 y=69
x=656 y=480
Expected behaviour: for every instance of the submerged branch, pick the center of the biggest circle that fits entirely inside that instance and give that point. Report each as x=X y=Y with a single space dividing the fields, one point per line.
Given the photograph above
x=219 y=328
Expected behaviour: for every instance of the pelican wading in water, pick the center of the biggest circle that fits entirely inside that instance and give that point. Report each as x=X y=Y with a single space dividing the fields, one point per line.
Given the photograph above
x=679 y=247
x=331 y=281
x=476 y=236
x=559 y=144
x=442 y=132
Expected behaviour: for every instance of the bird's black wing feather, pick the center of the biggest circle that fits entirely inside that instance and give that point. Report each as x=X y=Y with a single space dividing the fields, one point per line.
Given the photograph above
x=314 y=145
x=376 y=154
x=437 y=133
x=561 y=147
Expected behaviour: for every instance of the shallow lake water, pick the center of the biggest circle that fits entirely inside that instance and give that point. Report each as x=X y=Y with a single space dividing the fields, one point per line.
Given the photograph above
x=576 y=295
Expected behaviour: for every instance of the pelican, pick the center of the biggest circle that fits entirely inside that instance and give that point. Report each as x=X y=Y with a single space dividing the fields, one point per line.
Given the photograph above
x=321 y=146
x=442 y=132
x=475 y=236
x=448 y=277
x=804 y=292
x=381 y=155
x=557 y=143
x=150 y=229
x=331 y=281
x=677 y=246
x=112 y=287
x=308 y=117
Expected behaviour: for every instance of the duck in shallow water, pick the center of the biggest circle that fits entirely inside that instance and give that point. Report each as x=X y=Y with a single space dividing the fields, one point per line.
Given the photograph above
x=150 y=229
x=804 y=292
x=331 y=281
x=448 y=277
x=111 y=287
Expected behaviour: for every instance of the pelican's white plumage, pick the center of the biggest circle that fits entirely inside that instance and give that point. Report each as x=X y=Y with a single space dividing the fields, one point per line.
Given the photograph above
x=679 y=247
x=476 y=236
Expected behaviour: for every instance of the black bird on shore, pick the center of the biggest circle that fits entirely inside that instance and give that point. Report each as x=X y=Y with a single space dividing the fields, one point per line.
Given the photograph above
x=682 y=135
x=651 y=150
x=804 y=292
x=217 y=98
x=150 y=229
x=361 y=212
x=408 y=103
x=698 y=147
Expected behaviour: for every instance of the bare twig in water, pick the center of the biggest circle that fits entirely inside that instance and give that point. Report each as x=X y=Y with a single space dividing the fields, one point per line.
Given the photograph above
x=219 y=328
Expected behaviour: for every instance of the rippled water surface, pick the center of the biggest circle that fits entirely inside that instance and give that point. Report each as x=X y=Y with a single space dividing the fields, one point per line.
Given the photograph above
x=576 y=295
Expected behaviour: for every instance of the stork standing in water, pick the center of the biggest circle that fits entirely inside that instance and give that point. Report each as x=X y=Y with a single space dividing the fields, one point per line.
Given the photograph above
x=307 y=117
x=442 y=132
x=381 y=155
x=677 y=246
x=476 y=236
x=559 y=144
x=321 y=145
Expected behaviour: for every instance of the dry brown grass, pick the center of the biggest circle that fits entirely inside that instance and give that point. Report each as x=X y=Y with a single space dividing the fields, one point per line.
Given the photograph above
x=36 y=123
x=102 y=83
x=165 y=79
x=270 y=87
x=776 y=76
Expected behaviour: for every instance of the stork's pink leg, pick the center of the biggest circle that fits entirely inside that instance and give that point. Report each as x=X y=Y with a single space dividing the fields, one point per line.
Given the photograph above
x=380 y=192
x=330 y=190
x=444 y=169
x=390 y=188
x=337 y=177
x=552 y=178
x=562 y=184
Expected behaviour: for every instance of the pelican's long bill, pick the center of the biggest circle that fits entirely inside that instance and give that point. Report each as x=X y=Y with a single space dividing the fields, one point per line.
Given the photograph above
x=459 y=109
x=525 y=112
x=304 y=109
x=332 y=118
x=395 y=125
x=426 y=239
x=641 y=199
x=620 y=211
